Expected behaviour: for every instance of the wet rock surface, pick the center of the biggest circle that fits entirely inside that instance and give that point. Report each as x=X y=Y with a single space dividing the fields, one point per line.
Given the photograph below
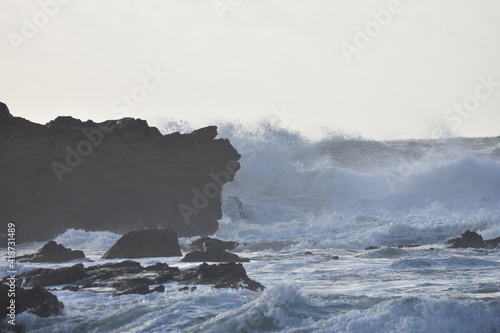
x=129 y=277
x=197 y=245
x=145 y=244
x=36 y=300
x=230 y=275
x=213 y=250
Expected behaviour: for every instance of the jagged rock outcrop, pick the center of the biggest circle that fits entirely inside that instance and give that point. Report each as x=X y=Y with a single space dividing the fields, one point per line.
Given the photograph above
x=53 y=252
x=118 y=175
x=126 y=277
x=36 y=300
x=144 y=244
x=230 y=275
x=140 y=289
x=214 y=250
x=4 y=111
x=129 y=277
x=197 y=245
x=473 y=240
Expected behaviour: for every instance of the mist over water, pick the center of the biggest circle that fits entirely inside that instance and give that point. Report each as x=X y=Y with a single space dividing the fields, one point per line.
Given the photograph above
x=353 y=192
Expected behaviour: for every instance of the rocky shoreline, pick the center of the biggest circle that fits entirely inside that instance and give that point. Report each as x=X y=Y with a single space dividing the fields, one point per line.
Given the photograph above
x=124 y=277
x=33 y=288
x=130 y=277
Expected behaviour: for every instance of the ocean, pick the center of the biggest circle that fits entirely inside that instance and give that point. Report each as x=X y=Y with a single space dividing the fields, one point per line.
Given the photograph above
x=304 y=212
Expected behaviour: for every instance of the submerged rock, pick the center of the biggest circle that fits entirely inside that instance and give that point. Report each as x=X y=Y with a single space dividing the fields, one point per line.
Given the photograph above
x=385 y=252
x=214 y=250
x=53 y=252
x=234 y=209
x=186 y=288
x=145 y=244
x=138 y=289
x=471 y=239
x=118 y=176
x=371 y=247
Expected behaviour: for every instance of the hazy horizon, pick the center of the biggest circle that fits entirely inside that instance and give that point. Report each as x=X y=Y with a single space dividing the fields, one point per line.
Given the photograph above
x=376 y=69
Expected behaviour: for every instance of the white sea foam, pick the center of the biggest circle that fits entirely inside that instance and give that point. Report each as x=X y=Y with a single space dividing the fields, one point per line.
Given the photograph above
x=320 y=190
x=280 y=307
x=86 y=240
x=411 y=314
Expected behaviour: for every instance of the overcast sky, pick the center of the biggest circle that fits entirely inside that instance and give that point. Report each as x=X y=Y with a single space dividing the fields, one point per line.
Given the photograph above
x=317 y=66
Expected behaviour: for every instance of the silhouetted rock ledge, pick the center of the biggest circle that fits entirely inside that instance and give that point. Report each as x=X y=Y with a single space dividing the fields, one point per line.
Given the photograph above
x=118 y=175
x=4 y=111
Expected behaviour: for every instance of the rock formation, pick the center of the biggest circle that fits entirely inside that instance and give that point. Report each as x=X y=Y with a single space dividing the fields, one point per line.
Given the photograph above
x=36 y=300
x=53 y=252
x=144 y=244
x=474 y=240
x=197 y=245
x=129 y=277
x=4 y=111
x=118 y=175
x=214 y=250
x=230 y=275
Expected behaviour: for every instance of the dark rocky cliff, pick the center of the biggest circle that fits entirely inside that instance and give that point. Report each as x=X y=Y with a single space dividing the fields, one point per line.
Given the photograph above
x=119 y=175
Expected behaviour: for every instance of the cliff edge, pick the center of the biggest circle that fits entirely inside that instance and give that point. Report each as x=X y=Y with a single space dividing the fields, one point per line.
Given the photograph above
x=118 y=175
